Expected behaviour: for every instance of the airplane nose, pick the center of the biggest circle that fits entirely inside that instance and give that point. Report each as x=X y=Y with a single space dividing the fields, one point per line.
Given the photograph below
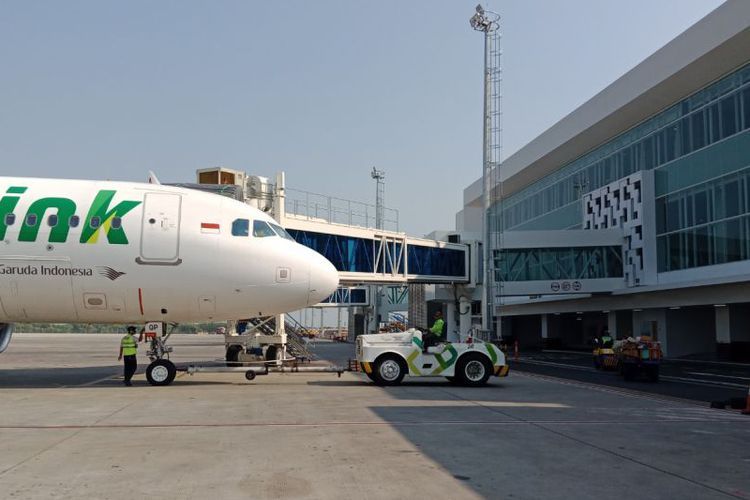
x=324 y=279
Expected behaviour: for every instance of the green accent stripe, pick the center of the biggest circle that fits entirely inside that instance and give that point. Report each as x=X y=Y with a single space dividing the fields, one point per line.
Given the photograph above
x=16 y=190
x=491 y=351
x=410 y=361
x=443 y=362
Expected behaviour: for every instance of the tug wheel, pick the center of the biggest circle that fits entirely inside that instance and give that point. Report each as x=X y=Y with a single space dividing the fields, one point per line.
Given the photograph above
x=473 y=369
x=389 y=369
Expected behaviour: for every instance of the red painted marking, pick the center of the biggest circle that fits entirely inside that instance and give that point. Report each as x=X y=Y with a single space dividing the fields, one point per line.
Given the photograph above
x=209 y=225
x=140 y=300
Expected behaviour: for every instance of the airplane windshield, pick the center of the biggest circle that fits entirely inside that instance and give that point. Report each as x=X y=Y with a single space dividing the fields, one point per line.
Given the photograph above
x=261 y=229
x=282 y=232
x=240 y=227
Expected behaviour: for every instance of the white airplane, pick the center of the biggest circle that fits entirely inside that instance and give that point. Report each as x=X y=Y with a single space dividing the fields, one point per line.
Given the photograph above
x=121 y=252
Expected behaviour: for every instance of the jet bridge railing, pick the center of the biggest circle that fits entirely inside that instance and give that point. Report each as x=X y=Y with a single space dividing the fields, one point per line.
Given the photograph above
x=331 y=210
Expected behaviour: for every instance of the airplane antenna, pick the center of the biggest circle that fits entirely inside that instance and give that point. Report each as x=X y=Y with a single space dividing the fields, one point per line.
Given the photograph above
x=152 y=179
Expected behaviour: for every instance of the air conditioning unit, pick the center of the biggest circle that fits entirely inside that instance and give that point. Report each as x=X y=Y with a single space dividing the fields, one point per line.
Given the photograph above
x=222 y=176
x=259 y=193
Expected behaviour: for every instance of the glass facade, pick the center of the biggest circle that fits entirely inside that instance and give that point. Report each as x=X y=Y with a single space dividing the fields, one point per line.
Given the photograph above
x=699 y=149
x=708 y=117
x=529 y=264
x=705 y=225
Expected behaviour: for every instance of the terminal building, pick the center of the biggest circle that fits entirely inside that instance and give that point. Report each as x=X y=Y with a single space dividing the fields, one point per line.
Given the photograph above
x=632 y=213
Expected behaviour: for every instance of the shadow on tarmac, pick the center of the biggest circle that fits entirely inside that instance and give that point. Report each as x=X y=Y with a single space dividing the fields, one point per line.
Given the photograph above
x=439 y=389
x=435 y=430
x=695 y=392
x=56 y=377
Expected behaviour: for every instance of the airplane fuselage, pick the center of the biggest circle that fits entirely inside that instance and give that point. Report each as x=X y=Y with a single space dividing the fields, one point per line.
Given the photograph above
x=117 y=252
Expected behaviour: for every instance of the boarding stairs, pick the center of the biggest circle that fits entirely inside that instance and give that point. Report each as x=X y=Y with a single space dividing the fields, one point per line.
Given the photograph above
x=295 y=335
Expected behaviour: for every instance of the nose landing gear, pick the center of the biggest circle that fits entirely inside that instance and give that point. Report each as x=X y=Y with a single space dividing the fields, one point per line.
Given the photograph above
x=161 y=371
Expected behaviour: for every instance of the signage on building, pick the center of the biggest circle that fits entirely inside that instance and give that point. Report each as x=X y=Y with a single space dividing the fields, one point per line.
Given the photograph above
x=565 y=286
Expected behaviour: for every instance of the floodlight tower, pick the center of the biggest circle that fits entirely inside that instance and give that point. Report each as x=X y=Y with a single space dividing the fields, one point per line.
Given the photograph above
x=489 y=23
x=379 y=176
x=376 y=290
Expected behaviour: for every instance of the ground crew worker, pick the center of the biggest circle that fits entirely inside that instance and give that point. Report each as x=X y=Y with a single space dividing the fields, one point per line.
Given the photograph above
x=435 y=334
x=128 y=350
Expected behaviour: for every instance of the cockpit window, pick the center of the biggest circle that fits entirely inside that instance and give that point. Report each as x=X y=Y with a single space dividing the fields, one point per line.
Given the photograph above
x=241 y=227
x=281 y=232
x=261 y=229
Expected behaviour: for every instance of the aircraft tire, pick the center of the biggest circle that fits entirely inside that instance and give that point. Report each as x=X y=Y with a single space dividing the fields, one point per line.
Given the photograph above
x=473 y=369
x=272 y=353
x=233 y=355
x=161 y=372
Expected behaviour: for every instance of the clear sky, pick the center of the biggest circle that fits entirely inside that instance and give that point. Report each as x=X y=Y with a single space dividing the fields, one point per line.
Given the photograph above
x=323 y=90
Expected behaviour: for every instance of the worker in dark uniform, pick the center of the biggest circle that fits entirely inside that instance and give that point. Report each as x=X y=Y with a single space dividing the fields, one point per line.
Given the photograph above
x=435 y=334
x=128 y=351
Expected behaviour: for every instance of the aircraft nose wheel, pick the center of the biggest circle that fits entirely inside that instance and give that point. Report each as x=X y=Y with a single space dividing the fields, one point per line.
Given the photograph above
x=161 y=372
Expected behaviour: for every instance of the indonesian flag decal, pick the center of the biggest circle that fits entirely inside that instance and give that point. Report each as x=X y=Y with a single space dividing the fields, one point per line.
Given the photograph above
x=210 y=228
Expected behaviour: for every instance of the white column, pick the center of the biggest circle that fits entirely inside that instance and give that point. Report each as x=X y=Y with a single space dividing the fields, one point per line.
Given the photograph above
x=279 y=199
x=723 y=331
x=612 y=324
x=545 y=326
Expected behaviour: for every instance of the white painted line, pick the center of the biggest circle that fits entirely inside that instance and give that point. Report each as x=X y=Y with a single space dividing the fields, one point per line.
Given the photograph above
x=98 y=381
x=717 y=375
x=667 y=360
x=695 y=381
x=561 y=365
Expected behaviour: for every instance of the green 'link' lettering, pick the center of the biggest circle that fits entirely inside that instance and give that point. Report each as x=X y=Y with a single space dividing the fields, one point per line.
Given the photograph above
x=7 y=205
x=59 y=233
x=99 y=208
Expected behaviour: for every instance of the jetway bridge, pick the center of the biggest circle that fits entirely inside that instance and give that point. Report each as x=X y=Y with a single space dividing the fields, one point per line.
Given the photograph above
x=374 y=256
x=343 y=231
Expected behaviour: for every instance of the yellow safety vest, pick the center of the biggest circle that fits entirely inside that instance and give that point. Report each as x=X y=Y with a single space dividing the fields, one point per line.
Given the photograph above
x=129 y=345
x=437 y=327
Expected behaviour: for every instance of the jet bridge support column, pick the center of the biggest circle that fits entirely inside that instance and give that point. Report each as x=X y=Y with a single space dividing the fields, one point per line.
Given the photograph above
x=451 y=322
x=464 y=319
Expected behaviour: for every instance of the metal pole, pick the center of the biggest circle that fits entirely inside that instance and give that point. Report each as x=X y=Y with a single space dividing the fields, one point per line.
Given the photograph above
x=338 y=321
x=486 y=172
x=487 y=22
x=379 y=176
